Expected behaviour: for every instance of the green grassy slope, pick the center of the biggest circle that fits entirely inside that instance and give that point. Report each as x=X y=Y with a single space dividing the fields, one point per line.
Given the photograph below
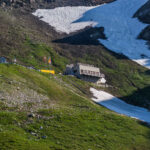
x=64 y=116
x=126 y=77
x=70 y=120
x=19 y=41
x=26 y=38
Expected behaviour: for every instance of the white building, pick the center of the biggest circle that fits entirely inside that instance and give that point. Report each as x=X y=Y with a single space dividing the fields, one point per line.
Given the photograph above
x=86 y=72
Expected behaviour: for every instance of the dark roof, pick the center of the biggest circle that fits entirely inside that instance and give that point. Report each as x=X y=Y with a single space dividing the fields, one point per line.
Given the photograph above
x=3 y=60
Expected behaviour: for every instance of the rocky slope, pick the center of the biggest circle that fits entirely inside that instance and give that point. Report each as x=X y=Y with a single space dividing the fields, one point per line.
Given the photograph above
x=34 y=4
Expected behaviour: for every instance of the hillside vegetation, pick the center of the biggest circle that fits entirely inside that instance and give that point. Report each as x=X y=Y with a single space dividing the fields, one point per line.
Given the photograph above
x=62 y=119
x=46 y=112
x=26 y=38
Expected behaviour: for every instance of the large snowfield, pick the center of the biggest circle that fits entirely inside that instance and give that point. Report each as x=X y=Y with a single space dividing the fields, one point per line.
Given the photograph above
x=121 y=29
x=119 y=106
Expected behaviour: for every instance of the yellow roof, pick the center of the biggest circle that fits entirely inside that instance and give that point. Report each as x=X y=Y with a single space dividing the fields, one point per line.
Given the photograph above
x=48 y=71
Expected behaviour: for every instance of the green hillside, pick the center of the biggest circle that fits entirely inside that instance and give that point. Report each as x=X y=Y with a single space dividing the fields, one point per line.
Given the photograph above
x=46 y=112
x=62 y=119
x=26 y=38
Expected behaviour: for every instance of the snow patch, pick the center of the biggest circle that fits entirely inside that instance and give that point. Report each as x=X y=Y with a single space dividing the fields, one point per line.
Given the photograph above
x=119 y=106
x=62 y=18
x=121 y=29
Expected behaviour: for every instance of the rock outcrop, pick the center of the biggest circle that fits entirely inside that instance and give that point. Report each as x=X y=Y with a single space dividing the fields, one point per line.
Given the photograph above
x=143 y=14
x=35 y=4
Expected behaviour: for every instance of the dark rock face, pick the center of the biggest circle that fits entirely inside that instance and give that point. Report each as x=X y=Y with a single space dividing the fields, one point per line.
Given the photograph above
x=87 y=36
x=145 y=34
x=143 y=14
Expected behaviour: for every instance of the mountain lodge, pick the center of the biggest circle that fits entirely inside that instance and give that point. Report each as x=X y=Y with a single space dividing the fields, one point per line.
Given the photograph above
x=86 y=72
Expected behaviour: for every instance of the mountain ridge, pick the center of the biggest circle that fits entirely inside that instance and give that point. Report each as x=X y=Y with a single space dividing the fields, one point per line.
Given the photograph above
x=31 y=5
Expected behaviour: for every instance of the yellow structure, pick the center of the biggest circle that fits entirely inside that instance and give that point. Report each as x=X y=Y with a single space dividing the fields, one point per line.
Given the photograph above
x=48 y=71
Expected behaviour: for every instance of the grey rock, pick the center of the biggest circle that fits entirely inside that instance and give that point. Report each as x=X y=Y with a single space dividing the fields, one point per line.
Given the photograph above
x=31 y=115
x=33 y=133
